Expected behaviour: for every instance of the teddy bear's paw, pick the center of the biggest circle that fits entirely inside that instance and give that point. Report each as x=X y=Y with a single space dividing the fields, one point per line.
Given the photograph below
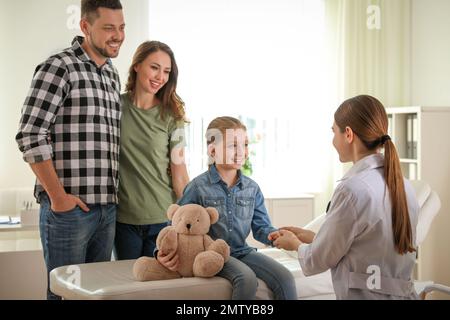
x=147 y=269
x=140 y=268
x=207 y=264
x=222 y=248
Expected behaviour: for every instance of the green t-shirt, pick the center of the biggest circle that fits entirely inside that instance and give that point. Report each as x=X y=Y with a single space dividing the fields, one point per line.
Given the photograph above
x=145 y=186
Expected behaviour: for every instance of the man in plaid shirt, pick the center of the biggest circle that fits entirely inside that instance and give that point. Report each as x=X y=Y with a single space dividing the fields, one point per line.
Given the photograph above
x=69 y=134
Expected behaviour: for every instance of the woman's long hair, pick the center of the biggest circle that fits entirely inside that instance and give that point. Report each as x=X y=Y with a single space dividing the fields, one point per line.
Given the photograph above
x=170 y=100
x=367 y=117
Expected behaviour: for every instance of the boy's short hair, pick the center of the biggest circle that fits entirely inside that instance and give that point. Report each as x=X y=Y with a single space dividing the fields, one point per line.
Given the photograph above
x=89 y=8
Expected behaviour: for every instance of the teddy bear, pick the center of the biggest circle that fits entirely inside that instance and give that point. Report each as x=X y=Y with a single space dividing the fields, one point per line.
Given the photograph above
x=198 y=254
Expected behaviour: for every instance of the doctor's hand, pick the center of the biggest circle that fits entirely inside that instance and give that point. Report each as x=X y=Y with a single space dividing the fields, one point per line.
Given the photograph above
x=305 y=236
x=287 y=240
x=170 y=260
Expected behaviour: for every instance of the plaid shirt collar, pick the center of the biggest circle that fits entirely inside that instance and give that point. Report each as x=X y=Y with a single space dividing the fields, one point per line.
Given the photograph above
x=81 y=54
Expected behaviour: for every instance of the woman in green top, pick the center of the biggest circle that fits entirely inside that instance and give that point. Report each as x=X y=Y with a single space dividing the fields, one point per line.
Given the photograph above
x=152 y=172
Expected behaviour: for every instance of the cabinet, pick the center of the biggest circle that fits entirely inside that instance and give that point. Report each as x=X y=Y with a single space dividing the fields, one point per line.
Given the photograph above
x=404 y=128
x=289 y=211
x=422 y=138
x=24 y=275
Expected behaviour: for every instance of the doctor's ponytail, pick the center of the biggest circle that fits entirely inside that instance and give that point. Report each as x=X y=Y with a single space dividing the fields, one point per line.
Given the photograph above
x=367 y=117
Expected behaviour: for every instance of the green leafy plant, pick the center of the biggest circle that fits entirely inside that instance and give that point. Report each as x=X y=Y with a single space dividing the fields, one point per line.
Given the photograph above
x=247 y=168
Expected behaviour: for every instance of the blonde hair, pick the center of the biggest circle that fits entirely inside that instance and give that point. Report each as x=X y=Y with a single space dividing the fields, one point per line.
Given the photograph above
x=367 y=117
x=222 y=124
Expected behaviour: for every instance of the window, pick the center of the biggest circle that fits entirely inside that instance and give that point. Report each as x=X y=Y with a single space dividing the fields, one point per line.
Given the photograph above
x=264 y=62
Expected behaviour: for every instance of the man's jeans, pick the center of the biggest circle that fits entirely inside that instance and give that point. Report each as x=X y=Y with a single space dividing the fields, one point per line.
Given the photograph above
x=134 y=241
x=76 y=236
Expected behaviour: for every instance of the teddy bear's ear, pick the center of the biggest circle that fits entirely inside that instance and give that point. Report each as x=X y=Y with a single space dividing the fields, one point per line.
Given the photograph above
x=213 y=214
x=171 y=211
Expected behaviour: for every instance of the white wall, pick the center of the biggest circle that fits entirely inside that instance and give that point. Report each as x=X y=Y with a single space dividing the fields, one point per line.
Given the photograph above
x=430 y=85
x=31 y=31
x=431 y=52
x=3 y=35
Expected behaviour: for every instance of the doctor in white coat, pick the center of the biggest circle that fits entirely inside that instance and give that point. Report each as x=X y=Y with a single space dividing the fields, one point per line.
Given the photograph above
x=367 y=239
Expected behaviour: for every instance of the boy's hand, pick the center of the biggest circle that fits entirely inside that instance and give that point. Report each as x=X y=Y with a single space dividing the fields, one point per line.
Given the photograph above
x=287 y=240
x=273 y=235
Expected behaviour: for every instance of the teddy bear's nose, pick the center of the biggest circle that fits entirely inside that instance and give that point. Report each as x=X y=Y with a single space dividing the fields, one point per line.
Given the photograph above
x=188 y=226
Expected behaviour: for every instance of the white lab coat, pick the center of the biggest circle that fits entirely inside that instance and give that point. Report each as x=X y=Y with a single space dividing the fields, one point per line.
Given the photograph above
x=356 y=239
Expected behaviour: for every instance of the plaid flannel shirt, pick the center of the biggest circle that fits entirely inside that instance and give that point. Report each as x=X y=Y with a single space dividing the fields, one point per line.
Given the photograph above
x=72 y=116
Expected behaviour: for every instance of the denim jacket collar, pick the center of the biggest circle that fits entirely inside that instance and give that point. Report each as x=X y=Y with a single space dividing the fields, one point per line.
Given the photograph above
x=372 y=161
x=214 y=176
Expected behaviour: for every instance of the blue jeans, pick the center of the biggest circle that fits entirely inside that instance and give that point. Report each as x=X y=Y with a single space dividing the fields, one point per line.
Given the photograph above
x=243 y=274
x=75 y=236
x=134 y=241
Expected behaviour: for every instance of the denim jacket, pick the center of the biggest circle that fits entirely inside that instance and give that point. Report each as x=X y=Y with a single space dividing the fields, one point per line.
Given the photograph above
x=240 y=208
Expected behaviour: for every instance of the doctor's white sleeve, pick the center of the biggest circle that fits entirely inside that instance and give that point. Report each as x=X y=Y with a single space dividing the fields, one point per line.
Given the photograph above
x=334 y=238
